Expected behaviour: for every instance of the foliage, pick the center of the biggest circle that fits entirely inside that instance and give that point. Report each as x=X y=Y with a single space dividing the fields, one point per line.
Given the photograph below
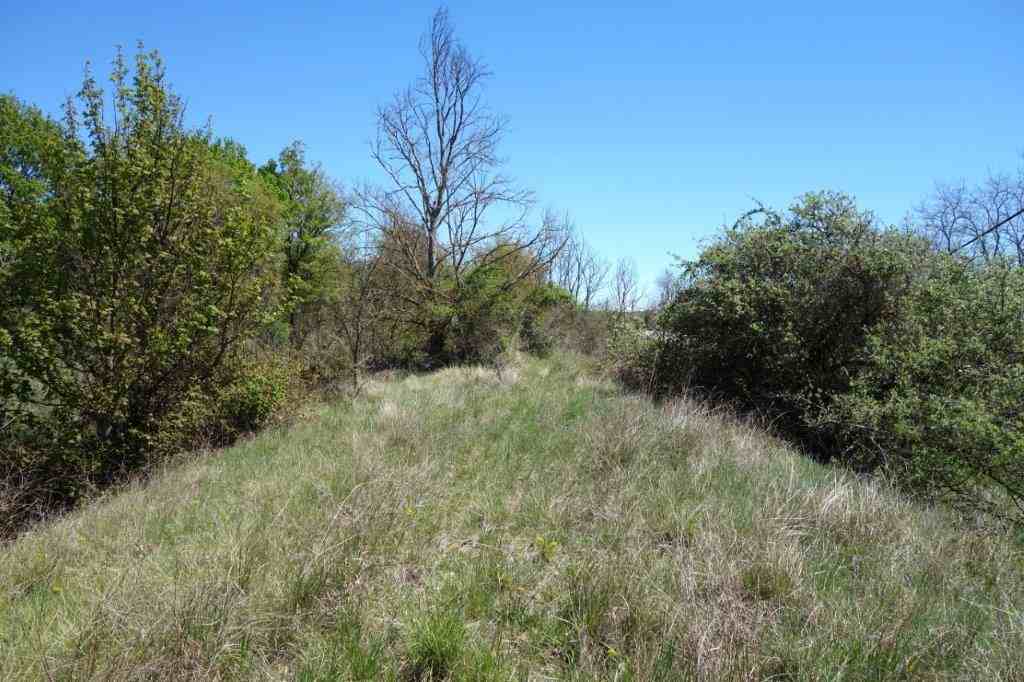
x=465 y=314
x=862 y=344
x=137 y=271
x=538 y=330
x=468 y=315
x=497 y=308
x=450 y=221
x=34 y=157
x=938 y=399
x=312 y=212
x=632 y=352
x=344 y=328
x=249 y=394
x=774 y=314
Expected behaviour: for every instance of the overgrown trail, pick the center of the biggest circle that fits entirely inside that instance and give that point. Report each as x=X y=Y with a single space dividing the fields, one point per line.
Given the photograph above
x=541 y=526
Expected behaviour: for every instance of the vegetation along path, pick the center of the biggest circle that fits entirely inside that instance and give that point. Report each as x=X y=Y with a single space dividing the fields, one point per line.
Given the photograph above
x=536 y=525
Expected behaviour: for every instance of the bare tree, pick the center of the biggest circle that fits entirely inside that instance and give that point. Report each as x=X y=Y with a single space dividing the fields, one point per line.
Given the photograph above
x=669 y=284
x=563 y=271
x=578 y=269
x=437 y=143
x=982 y=222
x=359 y=308
x=627 y=294
x=593 y=277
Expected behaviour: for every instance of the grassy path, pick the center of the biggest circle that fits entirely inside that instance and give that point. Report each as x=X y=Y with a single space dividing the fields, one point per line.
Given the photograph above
x=454 y=526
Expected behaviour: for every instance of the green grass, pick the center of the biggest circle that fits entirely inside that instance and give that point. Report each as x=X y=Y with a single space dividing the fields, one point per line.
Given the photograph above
x=540 y=526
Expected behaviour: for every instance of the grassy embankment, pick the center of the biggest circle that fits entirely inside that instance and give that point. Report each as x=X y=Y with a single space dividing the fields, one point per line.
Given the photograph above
x=540 y=526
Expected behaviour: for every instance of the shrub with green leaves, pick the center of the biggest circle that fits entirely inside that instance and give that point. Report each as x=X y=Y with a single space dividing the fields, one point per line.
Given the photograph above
x=544 y=305
x=141 y=257
x=774 y=315
x=247 y=395
x=938 y=399
x=472 y=315
x=485 y=315
x=632 y=352
x=862 y=344
x=496 y=310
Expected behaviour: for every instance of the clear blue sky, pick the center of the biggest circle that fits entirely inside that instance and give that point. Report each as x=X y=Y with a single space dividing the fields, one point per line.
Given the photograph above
x=650 y=123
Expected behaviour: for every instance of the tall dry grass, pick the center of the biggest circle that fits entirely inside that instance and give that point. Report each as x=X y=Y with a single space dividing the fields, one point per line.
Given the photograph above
x=532 y=524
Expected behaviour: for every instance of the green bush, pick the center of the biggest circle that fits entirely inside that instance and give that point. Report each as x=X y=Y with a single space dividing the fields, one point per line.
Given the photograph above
x=486 y=316
x=938 y=400
x=250 y=402
x=142 y=258
x=494 y=309
x=861 y=344
x=247 y=396
x=774 y=315
x=543 y=307
x=632 y=353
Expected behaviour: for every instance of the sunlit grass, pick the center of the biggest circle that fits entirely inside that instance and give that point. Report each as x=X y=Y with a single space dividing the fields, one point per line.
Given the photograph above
x=534 y=526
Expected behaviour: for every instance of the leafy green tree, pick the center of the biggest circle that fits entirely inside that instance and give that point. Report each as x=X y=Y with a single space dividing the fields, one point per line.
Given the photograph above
x=34 y=158
x=313 y=213
x=141 y=263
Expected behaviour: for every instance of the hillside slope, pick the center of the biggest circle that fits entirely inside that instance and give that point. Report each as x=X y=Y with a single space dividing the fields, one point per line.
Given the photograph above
x=537 y=526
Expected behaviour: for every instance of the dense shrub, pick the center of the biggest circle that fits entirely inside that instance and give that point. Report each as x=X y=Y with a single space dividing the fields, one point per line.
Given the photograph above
x=249 y=395
x=774 y=315
x=485 y=315
x=938 y=399
x=861 y=343
x=496 y=312
x=554 y=320
x=142 y=257
x=468 y=316
x=632 y=352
